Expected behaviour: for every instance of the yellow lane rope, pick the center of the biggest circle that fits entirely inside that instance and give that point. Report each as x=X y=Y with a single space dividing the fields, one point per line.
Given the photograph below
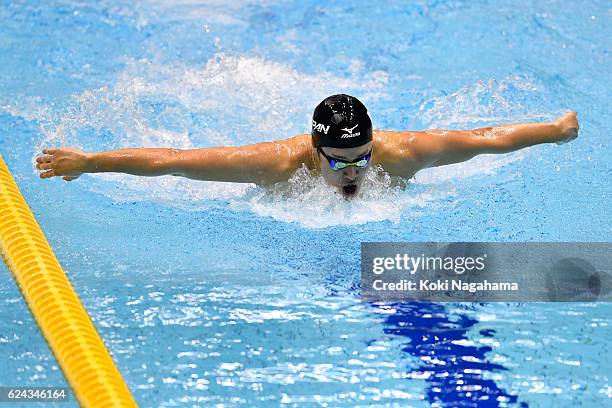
x=63 y=320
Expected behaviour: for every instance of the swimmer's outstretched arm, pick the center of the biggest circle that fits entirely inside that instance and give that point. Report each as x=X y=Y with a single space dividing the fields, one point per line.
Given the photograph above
x=261 y=163
x=439 y=147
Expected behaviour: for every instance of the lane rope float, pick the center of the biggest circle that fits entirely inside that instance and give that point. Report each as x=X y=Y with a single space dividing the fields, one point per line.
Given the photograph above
x=62 y=319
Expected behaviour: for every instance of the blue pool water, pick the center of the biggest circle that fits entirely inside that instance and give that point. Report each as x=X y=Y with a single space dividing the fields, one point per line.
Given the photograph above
x=225 y=294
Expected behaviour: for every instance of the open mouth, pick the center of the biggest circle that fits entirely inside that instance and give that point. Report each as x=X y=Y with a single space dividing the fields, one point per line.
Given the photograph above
x=349 y=190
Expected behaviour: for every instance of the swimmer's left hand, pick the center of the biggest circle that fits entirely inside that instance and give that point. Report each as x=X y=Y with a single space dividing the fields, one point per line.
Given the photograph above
x=568 y=127
x=65 y=162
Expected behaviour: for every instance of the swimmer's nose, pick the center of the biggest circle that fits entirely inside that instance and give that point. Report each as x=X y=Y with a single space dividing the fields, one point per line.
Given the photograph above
x=351 y=173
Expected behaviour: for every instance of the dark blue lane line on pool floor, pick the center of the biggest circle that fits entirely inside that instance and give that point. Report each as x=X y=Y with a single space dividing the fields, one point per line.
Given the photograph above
x=431 y=333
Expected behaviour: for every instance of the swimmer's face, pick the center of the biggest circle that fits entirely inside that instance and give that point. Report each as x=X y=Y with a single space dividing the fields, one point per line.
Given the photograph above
x=349 y=180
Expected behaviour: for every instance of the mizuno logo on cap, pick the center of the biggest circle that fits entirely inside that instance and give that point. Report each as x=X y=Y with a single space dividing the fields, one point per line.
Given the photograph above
x=350 y=130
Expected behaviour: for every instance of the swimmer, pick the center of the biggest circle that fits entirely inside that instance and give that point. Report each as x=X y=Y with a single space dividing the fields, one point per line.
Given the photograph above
x=341 y=147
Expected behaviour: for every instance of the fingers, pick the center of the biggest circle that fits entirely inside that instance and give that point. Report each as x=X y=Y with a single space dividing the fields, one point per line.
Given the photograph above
x=568 y=120
x=51 y=173
x=568 y=124
x=576 y=120
x=44 y=163
x=569 y=114
x=44 y=166
x=44 y=159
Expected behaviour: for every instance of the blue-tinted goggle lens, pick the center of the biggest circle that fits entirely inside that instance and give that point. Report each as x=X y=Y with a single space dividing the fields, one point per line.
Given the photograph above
x=337 y=164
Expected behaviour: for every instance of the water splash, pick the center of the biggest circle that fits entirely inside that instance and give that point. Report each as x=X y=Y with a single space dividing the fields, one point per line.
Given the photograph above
x=309 y=201
x=237 y=100
x=488 y=102
x=483 y=103
x=213 y=11
x=231 y=100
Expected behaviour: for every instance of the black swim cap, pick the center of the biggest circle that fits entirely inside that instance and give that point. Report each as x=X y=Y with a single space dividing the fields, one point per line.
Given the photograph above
x=341 y=121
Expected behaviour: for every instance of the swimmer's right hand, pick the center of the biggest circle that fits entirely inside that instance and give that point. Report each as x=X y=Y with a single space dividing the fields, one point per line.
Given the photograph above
x=65 y=162
x=568 y=127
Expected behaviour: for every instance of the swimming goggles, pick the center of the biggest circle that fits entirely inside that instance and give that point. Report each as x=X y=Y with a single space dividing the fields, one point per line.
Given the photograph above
x=337 y=164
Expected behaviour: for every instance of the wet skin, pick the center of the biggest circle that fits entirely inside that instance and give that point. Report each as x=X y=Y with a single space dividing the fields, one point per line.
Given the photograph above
x=399 y=153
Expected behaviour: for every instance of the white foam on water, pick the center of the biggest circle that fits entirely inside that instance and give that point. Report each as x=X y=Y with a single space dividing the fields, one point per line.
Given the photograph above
x=481 y=104
x=223 y=12
x=29 y=108
x=309 y=201
x=491 y=102
x=236 y=100
x=480 y=165
x=230 y=100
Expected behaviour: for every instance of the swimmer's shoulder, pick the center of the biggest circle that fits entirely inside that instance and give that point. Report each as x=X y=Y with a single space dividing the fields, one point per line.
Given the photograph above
x=297 y=150
x=392 y=150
